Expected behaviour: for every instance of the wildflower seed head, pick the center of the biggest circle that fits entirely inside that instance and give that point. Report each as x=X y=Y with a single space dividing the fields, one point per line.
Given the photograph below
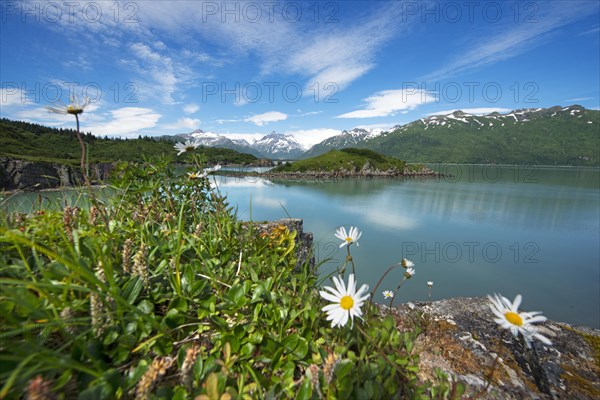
x=152 y=376
x=127 y=248
x=186 y=377
x=39 y=389
x=93 y=215
x=140 y=265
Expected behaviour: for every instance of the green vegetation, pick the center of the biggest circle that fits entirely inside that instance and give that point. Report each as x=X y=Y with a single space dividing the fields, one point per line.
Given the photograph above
x=161 y=292
x=564 y=139
x=22 y=140
x=346 y=160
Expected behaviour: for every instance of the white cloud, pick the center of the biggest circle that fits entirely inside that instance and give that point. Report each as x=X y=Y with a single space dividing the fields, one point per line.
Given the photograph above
x=162 y=76
x=389 y=102
x=185 y=123
x=10 y=96
x=310 y=137
x=513 y=39
x=580 y=99
x=384 y=127
x=265 y=118
x=80 y=64
x=474 y=111
x=269 y=202
x=126 y=122
x=342 y=55
x=328 y=52
x=249 y=137
x=191 y=108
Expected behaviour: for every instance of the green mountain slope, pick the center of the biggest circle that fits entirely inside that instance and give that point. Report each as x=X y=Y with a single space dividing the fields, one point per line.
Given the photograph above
x=550 y=136
x=22 y=140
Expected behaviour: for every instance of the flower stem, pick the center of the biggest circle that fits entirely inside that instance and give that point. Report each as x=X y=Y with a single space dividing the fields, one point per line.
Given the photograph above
x=381 y=280
x=396 y=291
x=82 y=145
x=349 y=257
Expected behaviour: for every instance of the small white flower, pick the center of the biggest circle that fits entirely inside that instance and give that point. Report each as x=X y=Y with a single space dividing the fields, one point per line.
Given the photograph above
x=430 y=283
x=196 y=175
x=189 y=145
x=75 y=107
x=388 y=294
x=348 y=237
x=509 y=317
x=212 y=169
x=409 y=273
x=406 y=263
x=346 y=301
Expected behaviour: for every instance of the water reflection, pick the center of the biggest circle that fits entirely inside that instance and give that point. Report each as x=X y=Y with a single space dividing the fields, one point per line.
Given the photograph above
x=471 y=236
x=567 y=199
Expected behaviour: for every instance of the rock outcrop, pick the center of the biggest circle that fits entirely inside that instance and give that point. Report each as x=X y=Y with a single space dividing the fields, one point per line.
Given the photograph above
x=461 y=338
x=30 y=175
x=303 y=240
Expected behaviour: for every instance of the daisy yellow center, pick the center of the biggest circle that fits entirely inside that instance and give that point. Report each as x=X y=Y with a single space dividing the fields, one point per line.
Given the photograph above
x=514 y=318
x=346 y=302
x=349 y=239
x=189 y=148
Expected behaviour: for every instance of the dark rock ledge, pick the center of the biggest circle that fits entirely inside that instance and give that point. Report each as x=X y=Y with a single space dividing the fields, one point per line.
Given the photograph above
x=461 y=338
x=365 y=172
x=30 y=175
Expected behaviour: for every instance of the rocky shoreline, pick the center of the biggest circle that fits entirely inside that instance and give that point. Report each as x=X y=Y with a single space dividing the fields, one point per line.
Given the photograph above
x=34 y=175
x=461 y=338
x=365 y=172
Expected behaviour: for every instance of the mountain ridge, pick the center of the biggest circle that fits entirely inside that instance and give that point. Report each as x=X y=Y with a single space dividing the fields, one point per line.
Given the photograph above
x=550 y=136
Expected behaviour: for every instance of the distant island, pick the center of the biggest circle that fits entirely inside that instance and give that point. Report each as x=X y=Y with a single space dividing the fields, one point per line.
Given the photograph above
x=349 y=163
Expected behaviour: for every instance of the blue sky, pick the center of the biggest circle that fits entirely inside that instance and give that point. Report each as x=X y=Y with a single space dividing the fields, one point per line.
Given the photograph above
x=309 y=69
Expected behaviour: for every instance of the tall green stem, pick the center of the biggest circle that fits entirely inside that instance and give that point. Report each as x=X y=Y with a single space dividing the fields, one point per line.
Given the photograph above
x=82 y=145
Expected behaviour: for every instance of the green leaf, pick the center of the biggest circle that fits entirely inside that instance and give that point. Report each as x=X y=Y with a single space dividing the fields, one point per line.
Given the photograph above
x=132 y=289
x=179 y=303
x=258 y=294
x=290 y=342
x=301 y=349
x=110 y=337
x=305 y=392
x=146 y=307
x=173 y=318
x=343 y=368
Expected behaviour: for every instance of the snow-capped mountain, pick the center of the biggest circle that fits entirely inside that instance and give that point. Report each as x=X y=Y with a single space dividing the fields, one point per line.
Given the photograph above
x=279 y=146
x=345 y=139
x=274 y=145
x=210 y=139
x=556 y=135
x=491 y=120
x=547 y=136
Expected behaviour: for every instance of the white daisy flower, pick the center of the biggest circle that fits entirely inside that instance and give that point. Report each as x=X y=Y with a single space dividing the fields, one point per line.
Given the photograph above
x=430 y=283
x=388 y=294
x=409 y=273
x=346 y=301
x=406 y=263
x=212 y=169
x=196 y=175
x=348 y=237
x=509 y=317
x=189 y=145
x=75 y=107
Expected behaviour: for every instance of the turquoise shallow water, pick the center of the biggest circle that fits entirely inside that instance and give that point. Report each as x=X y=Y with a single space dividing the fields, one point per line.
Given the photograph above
x=485 y=229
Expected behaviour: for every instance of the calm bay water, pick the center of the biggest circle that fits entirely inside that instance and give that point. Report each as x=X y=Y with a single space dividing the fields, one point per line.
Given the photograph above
x=485 y=229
